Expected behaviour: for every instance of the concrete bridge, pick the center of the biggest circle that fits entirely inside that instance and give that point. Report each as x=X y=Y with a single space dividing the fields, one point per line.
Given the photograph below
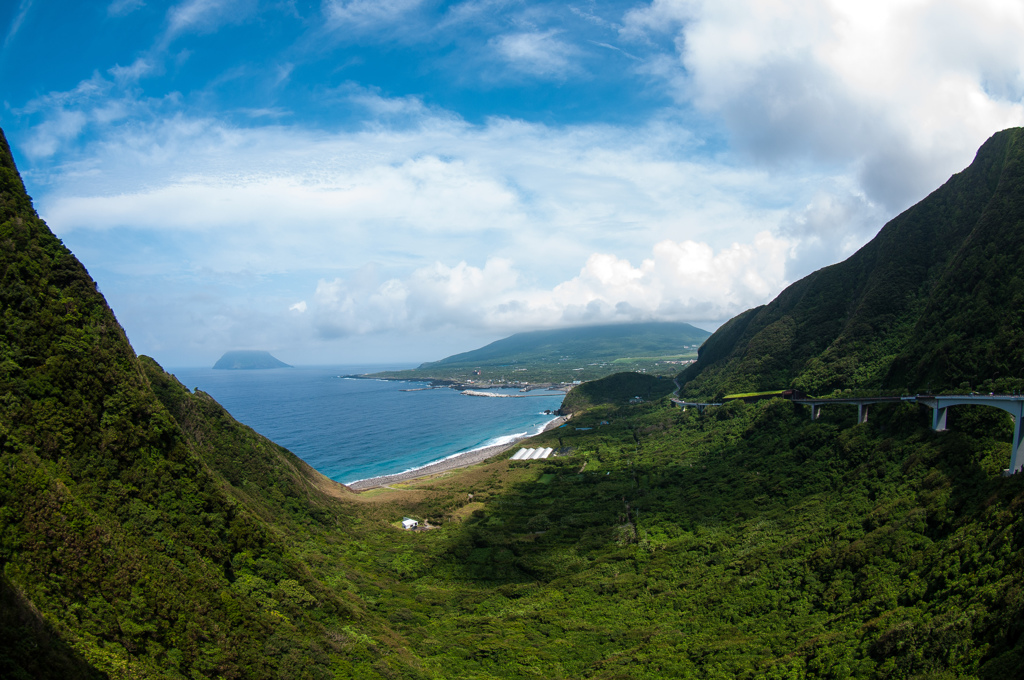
x=699 y=405
x=940 y=405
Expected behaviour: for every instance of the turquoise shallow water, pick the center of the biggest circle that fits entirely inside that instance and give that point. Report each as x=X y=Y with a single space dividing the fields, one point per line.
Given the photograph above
x=352 y=429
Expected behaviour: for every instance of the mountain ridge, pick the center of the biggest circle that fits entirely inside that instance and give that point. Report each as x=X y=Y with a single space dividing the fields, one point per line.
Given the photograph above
x=860 y=323
x=603 y=342
x=141 y=527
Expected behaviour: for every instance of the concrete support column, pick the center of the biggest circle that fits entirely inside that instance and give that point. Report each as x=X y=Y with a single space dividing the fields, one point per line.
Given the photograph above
x=862 y=413
x=939 y=417
x=1016 y=456
x=815 y=411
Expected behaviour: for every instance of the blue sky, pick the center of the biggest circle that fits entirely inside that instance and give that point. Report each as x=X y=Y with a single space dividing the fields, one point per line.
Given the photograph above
x=346 y=181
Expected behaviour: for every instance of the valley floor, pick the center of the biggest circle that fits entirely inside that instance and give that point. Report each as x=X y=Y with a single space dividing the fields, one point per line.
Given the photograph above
x=742 y=542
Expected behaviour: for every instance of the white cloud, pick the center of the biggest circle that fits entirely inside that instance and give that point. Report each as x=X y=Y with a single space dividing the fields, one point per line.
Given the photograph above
x=66 y=114
x=494 y=228
x=48 y=136
x=539 y=54
x=129 y=74
x=293 y=199
x=686 y=281
x=89 y=90
x=204 y=16
x=120 y=8
x=19 y=18
x=367 y=14
x=901 y=92
x=427 y=196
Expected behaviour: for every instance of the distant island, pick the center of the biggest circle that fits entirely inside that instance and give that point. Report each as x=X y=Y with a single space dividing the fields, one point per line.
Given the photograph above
x=249 y=359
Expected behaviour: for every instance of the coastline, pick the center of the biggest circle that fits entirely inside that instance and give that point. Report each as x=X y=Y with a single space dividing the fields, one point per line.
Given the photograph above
x=447 y=464
x=441 y=383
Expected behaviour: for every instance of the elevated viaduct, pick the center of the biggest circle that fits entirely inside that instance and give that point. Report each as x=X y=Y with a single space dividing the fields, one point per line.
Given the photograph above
x=940 y=405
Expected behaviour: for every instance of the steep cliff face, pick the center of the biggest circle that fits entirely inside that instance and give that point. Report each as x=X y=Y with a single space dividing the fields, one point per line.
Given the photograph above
x=932 y=301
x=139 y=523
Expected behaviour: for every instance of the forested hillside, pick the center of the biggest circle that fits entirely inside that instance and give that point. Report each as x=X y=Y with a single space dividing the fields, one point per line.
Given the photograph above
x=742 y=542
x=142 y=530
x=933 y=302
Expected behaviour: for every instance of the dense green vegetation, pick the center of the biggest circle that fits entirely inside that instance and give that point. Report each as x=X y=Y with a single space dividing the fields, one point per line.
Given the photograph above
x=570 y=354
x=747 y=541
x=146 y=534
x=142 y=529
x=933 y=302
x=617 y=389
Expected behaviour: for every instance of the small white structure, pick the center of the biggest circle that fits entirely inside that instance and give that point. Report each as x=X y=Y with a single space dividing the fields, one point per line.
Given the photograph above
x=532 y=454
x=408 y=523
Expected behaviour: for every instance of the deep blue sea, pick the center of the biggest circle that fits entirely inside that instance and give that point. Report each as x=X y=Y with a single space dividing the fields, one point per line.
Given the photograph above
x=351 y=429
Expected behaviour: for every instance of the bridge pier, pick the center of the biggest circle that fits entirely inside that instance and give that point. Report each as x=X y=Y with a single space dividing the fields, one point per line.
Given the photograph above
x=940 y=405
x=1016 y=460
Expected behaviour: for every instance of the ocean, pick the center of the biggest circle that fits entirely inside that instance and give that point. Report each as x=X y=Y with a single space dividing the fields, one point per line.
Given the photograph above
x=351 y=429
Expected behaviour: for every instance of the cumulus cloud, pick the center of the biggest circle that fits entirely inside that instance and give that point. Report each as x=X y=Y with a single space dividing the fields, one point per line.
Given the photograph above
x=504 y=188
x=682 y=280
x=903 y=92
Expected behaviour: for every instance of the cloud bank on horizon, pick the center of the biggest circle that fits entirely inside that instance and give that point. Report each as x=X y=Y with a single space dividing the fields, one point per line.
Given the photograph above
x=370 y=180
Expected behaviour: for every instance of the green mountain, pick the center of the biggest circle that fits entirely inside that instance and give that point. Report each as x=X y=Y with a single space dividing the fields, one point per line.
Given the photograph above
x=581 y=345
x=569 y=354
x=144 y=532
x=935 y=301
x=245 y=360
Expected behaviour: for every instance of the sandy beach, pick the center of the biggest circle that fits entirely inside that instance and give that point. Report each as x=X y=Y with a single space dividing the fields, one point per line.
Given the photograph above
x=464 y=460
